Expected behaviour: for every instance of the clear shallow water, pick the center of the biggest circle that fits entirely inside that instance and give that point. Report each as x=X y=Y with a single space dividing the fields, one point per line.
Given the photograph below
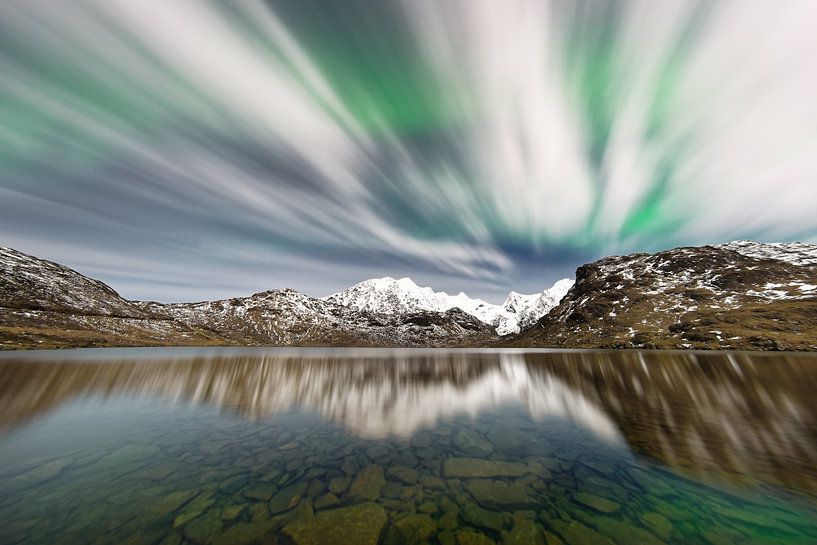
x=225 y=446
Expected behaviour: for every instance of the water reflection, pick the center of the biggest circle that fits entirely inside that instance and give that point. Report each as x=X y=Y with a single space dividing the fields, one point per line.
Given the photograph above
x=745 y=417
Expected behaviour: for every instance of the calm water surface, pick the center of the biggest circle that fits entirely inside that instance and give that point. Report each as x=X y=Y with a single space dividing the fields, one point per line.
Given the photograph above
x=312 y=447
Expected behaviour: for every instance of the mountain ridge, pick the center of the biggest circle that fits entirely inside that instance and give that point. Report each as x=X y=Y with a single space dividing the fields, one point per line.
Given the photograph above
x=742 y=295
x=739 y=295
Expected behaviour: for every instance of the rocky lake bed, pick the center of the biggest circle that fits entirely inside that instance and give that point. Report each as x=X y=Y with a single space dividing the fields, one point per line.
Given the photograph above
x=122 y=467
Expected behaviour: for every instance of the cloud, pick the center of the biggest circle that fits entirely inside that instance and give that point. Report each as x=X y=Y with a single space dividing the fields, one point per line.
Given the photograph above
x=479 y=145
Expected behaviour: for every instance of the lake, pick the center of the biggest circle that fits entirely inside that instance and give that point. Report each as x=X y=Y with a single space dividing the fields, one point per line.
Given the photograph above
x=364 y=446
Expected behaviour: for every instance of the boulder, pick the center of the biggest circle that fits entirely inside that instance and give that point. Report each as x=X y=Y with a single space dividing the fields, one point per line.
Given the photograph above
x=360 y=524
x=466 y=468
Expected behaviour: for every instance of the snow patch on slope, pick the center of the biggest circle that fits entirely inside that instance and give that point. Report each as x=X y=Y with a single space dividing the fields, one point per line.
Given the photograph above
x=796 y=253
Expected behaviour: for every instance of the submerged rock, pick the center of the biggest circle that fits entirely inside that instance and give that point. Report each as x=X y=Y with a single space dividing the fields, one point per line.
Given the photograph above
x=287 y=498
x=171 y=502
x=477 y=468
x=338 y=485
x=368 y=484
x=483 y=518
x=204 y=529
x=500 y=494
x=525 y=532
x=508 y=439
x=597 y=502
x=434 y=483
x=403 y=474
x=246 y=533
x=392 y=490
x=234 y=483
x=472 y=443
x=658 y=523
x=467 y=537
x=415 y=529
x=260 y=492
x=622 y=532
x=193 y=509
x=327 y=500
x=448 y=521
x=359 y=524
x=231 y=512
x=576 y=533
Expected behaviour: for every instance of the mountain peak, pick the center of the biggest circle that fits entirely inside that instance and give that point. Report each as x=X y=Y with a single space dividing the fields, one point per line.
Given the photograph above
x=389 y=296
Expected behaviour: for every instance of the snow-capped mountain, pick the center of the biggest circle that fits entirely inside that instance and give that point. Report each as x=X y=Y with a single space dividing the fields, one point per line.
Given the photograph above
x=740 y=295
x=46 y=305
x=390 y=296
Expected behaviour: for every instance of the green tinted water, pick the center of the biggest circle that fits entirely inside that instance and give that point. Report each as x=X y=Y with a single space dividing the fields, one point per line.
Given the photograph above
x=313 y=447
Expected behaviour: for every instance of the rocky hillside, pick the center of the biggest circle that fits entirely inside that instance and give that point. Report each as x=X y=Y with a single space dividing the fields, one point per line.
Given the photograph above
x=45 y=305
x=742 y=295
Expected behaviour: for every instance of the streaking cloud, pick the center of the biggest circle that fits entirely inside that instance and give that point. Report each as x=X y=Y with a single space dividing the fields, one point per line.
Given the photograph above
x=199 y=149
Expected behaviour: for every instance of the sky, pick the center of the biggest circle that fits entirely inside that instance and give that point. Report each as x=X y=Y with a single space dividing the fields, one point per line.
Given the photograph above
x=185 y=150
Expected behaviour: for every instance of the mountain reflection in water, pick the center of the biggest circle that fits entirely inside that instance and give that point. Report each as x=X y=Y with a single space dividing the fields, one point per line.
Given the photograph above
x=745 y=417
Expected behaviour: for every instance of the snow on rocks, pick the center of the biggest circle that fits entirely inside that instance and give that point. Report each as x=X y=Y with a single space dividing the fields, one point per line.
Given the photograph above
x=390 y=296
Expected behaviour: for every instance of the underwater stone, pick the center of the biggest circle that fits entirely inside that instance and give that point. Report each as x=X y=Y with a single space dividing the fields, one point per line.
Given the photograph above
x=376 y=452
x=621 y=532
x=126 y=458
x=652 y=484
x=205 y=528
x=339 y=484
x=327 y=500
x=474 y=467
x=403 y=474
x=193 y=509
x=427 y=454
x=448 y=521
x=245 y=533
x=349 y=466
x=234 y=483
x=507 y=438
x=315 y=488
x=172 y=539
x=597 y=502
x=422 y=440
x=658 y=524
x=467 y=537
x=576 y=533
x=427 y=507
x=259 y=512
x=360 y=524
x=500 y=494
x=723 y=536
x=260 y=492
x=483 y=518
x=472 y=443
x=303 y=512
x=415 y=529
x=287 y=498
x=434 y=483
x=446 y=537
x=551 y=539
x=231 y=512
x=525 y=532
x=171 y=502
x=368 y=484
x=392 y=490
x=397 y=505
